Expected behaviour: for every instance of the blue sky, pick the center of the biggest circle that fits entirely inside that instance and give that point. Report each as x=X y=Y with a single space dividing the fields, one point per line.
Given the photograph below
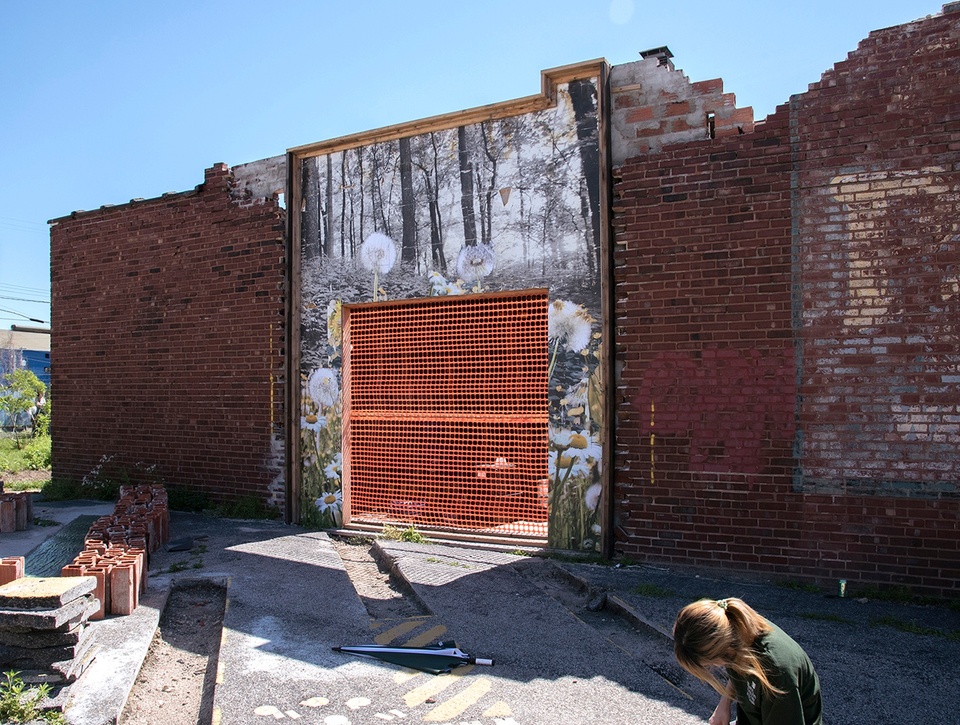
x=106 y=101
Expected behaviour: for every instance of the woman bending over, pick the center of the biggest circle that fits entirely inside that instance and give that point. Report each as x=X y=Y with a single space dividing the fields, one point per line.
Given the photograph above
x=769 y=675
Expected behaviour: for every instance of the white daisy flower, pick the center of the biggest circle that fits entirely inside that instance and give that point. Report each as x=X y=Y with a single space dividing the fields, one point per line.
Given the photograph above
x=584 y=444
x=323 y=388
x=313 y=422
x=332 y=470
x=567 y=461
x=332 y=503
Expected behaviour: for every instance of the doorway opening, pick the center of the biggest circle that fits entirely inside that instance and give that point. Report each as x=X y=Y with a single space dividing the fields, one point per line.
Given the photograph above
x=445 y=415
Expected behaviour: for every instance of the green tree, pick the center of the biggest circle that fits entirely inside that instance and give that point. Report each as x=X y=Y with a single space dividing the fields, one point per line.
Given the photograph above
x=20 y=392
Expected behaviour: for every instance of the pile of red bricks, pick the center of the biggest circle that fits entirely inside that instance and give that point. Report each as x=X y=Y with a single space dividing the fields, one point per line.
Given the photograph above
x=16 y=511
x=117 y=547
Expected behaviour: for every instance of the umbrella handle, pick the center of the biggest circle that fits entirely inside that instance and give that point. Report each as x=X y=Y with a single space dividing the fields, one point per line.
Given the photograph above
x=481 y=661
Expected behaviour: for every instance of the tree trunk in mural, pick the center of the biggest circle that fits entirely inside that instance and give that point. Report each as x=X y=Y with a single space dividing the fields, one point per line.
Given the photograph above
x=376 y=192
x=328 y=240
x=466 y=189
x=408 y=237
x=486 y=216
x=583 y=96
x=310 y=217
x=361 y=195
x=343 y=202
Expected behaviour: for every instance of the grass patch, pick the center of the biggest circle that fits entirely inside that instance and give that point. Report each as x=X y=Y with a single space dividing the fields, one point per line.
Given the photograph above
x=410 y=534
x=33 y=456
x=821 y=617
x=181 y=498
x=25 y=485
x=356 y=540
x=899 y=595
x=799 y=587
x=652 y=590
x=448 y=562
x=247 y=507
x=69 y=490
x=911 y=628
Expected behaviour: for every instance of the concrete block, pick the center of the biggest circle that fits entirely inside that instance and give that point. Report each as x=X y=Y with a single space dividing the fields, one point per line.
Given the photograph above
x=44 y=592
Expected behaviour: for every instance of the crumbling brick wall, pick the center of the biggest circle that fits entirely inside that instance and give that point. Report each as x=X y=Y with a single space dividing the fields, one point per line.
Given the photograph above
x=169 y=340
x=786 y=317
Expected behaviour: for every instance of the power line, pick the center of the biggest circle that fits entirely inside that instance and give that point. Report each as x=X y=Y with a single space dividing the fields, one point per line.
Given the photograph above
x=26 y=317
x=21 y=299
x=20 y=289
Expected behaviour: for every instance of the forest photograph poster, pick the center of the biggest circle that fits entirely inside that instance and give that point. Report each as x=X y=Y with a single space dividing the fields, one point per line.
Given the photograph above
x=502 y=203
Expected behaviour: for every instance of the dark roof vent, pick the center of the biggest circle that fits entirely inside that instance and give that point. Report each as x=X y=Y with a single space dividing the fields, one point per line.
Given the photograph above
x=662 y=54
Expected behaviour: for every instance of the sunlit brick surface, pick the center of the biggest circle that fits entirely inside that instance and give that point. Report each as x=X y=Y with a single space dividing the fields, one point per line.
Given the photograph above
x=446 y=413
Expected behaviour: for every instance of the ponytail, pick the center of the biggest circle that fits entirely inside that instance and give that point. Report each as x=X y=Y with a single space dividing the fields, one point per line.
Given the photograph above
x=720 y=632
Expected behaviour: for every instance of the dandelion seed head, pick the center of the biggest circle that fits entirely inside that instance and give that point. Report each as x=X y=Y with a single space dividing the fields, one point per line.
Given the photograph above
x=378 y=253
x=476 y=262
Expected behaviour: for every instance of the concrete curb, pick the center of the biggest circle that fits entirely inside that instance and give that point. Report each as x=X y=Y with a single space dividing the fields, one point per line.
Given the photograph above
x=100 y=694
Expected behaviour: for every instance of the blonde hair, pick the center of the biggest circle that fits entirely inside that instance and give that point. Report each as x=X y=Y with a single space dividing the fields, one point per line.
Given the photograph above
x=714 y=631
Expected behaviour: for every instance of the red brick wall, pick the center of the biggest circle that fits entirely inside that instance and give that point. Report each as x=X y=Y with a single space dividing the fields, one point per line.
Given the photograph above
x=786 y=317
x=168 y=347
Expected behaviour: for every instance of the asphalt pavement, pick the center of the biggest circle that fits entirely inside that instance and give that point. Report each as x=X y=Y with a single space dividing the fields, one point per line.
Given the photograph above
x=572 y=642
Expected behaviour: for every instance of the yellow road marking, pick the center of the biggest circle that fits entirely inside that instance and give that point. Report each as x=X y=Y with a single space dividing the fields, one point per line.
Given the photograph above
x=459 y=703
x=498 y=709
x=218 y=677
x=434 y=686
x=394 y=632
x=429 y=637
x=405 y=675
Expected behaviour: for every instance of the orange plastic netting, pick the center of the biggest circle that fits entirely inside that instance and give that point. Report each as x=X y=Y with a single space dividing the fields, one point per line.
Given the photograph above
x=446 y=413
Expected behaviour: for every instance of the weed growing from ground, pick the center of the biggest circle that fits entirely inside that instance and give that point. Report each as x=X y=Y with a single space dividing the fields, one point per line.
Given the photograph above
x=21 y=704
x=410 y=534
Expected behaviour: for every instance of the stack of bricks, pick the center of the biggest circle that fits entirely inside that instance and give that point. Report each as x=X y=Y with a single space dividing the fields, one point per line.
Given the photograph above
x=43 y=627
x=11 y=568
x=117 y=548
x=16 y=511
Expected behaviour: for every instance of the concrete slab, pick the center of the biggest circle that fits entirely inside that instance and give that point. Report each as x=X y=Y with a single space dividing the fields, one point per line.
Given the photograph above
x=44 y=592
x=65 y=616
x=119 y=646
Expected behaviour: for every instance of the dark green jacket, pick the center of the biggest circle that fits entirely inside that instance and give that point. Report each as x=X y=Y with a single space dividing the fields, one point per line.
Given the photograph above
x=790 y=670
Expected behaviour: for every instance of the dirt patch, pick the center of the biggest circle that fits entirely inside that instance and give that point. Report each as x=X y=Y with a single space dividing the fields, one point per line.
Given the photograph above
x=381 y=595
x=26 y=477
x=177 y=679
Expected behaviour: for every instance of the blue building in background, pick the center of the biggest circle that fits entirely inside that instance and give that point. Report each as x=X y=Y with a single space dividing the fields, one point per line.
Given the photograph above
x=28 y=348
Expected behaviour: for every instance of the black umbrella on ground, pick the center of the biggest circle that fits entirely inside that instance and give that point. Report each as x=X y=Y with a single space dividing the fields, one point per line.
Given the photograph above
x=437 y=658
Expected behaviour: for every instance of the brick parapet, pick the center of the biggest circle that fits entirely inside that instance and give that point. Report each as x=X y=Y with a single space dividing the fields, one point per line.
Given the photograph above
x=784 y=304
x=169 y=348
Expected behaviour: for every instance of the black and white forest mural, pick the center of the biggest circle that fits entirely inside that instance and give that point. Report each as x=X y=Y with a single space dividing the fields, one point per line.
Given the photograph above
x=512 y=203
